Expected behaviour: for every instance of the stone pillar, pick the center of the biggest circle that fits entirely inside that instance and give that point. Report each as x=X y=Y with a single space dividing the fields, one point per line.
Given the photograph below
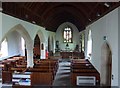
x=30 y=62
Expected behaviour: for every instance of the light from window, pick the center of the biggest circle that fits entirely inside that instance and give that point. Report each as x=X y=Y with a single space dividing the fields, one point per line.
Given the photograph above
x=67 y=34
x=23 y=46
x=89 y=45
x=4 y=49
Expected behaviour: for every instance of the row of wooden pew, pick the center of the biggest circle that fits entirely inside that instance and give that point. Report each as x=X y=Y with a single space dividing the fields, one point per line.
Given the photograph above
x=8 y=64
x=42 y=73
x=83 y=73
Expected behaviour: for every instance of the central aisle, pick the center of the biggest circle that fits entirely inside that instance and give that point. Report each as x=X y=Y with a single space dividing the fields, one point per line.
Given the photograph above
x=62 y=77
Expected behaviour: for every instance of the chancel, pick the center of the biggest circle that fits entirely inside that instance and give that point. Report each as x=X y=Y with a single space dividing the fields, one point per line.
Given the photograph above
x=69 y=44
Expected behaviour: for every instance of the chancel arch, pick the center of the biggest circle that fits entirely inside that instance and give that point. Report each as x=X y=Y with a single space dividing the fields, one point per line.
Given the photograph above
x=74 y=36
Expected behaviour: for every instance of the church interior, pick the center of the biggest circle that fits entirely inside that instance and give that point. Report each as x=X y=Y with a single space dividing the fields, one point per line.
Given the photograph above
x=64 y=44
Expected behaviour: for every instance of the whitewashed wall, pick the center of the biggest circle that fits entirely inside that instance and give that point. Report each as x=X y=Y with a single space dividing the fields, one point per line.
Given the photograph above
x=9 y=22
x=119 y=46
x=0 y=25
x=106 y=26
x=14 y=42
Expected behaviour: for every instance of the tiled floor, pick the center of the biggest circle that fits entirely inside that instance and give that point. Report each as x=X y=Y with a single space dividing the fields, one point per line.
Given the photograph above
x=63 y=74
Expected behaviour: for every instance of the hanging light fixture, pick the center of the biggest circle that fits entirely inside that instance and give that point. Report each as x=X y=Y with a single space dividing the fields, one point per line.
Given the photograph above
x=106 y=4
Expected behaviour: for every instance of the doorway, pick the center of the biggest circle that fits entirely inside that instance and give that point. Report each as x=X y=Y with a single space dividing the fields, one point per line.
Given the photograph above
x=36 y=50
x=106 y=65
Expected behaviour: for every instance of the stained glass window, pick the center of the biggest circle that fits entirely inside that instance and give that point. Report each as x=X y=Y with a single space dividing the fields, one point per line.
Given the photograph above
x=67 y=34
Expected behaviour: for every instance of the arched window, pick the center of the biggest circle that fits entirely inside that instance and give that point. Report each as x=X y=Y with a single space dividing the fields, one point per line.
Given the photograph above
x=67 y=35
x=23 y=46
x=4 y=48
x=89 y=45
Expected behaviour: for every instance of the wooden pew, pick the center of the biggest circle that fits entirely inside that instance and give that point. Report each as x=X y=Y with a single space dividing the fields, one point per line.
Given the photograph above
x=46 y=69
x=6 y=77
x=83 y=68
x=18 y=69
x=79 y=61
x=39 y=78
x=9 y=66
x=21 y=66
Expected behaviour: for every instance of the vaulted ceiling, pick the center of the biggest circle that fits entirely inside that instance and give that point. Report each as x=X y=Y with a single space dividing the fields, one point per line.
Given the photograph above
x=51 y=14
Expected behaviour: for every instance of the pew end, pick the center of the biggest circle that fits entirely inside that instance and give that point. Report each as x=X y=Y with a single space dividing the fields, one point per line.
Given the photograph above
x=41 y=78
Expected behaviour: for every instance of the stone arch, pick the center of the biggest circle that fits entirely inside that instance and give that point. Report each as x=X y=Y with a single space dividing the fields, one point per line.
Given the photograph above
x=106 y=64
x=29 y=43
x=42 y=43
x=41 y=35
x=37 y=48
x=22 y=31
